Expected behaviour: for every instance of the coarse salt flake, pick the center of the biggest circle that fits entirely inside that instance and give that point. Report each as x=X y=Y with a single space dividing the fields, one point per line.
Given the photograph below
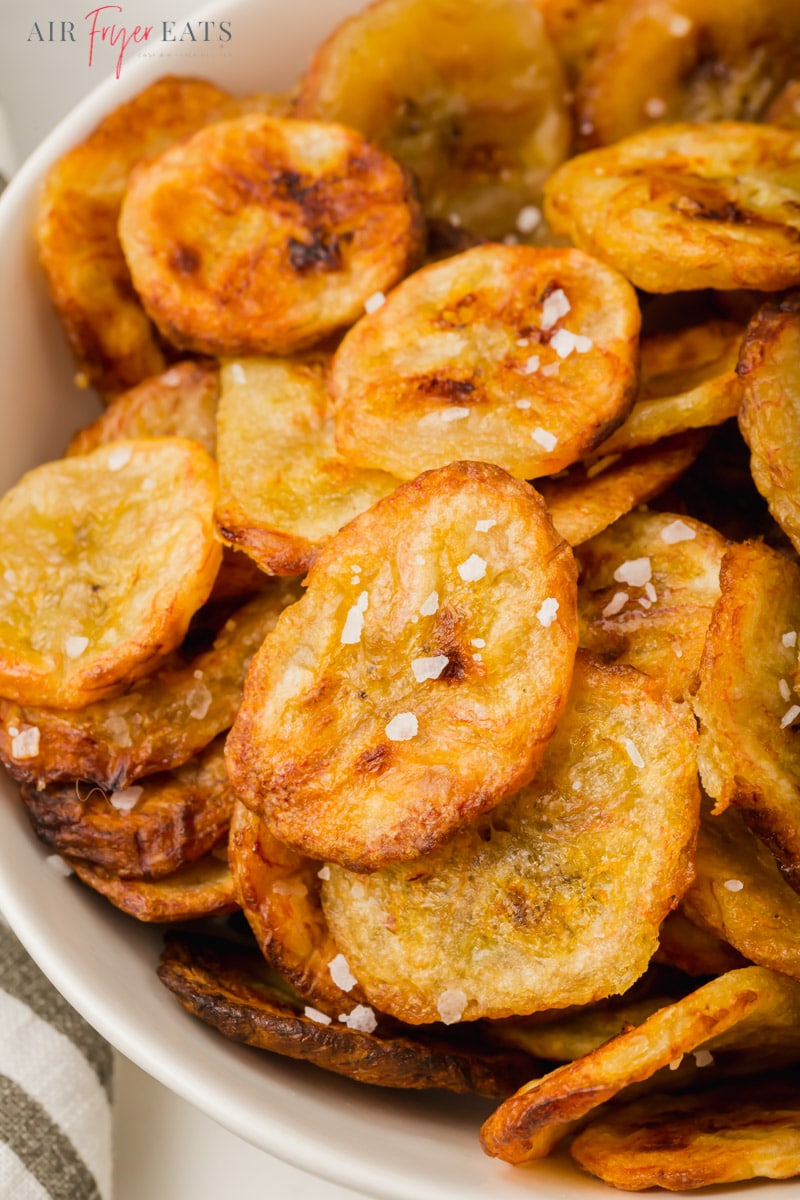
x=119 y=457
x=75 y=646
x=784 y=689
x=472 y=569
x=790 y=639
x=654 y=108
x=650 y=592
x=677 y=531
x=676 y=1062
x=615 y=604
x=450 y=1005
x=550 y=369
x=790 y=716
x=733 y=885
x=456 y=413
x=478 y=643
x=429 y=605
x=478 y=658
x=202 y=703
x=238 y=372
x=374 y=302
x=703 y=1058
x=361 y=1018
x=485 y=525
x=556 y=305
x=547 y=611
x=429 y=668
x=26 y=743
x=523 y=404
x=125 y=799
x=402 y=728
x=564 y=342
x=633 y=753
x=548 y=441
x=314 y=1014
x=354 y=622
x=340 y=973
x=56 y=863
x=679 y=25
x=532 y=364
x=324 y=872
x=635 y=571
x=529 y=218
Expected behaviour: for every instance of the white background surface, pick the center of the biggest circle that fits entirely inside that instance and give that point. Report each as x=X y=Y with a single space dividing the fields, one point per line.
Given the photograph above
x=164 y=1148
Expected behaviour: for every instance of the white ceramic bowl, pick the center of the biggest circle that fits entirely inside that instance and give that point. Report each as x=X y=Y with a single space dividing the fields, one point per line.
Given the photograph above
x=379 y=1142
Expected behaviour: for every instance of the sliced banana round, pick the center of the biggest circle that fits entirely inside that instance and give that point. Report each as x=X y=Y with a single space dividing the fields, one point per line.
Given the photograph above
x=469 y=94
x=514 y=355
x=263 y=235
x=106 y=557
x=681 y=207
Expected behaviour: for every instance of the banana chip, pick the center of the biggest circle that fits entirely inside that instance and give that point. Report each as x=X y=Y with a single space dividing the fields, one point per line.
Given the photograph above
x=106 y=556
x=743 y=1008
x=284 y=490
x=695 y=951
x=481 y=142
x=417 y=681
x=556 y=897
x=262 y=235
x=198 y=889
x=717 y=1136
x=681 y=207
x=747 y=708
x=141 y=832
x=509 y=354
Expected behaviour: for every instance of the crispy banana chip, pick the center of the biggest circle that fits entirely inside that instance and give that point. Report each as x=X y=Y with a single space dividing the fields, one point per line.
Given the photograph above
x=263 y=235
x=284 y=489
x=279 y=893
x=481 y=142
x=748 y=752
x=688 y=381
x=141 y=832
x=680 y=207
x=770 y=414
x=540 y=911
x=198 y=889
x=721 y=1135
x=229 y=988
x=739 y=894
x=157 y=725
x=686 y=60
x=648 y=586
x=509 y=354
x=693 y=950
x=106 y=557
x=749 y=1008
x=180 y=402
x=587 y=498
x=417 y=681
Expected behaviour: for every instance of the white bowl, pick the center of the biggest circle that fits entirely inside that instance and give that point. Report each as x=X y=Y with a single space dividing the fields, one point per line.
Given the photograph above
x=380 y=1142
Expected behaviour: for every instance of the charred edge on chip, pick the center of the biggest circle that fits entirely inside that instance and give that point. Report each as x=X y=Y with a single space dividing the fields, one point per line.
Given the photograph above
x=322 y=253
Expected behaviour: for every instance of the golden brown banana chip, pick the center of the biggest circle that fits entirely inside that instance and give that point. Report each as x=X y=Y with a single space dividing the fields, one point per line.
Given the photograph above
x=719 y=1135
x=197 y=889
x=680 y=207
x=748 y=753
x=284 y=489
x=418 y=679
x=648 y=586
x=279 y=893
x=554 y=898
x=739 y=894
x=481 y=142
x=107 y=557
x=688 y=381
x=686 y=60
x=230 y=988
x=749 y=1008
x=693 y=950
x=180 y=402
x=141 y=832
x=157 y=725
x=509 y=354
x=113 y=341
x=588 y=497
x=262 y=235
x=770 y=413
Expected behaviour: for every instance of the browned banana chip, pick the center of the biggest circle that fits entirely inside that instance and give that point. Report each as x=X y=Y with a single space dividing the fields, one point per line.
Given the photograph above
x=279 y=892
x=739 y=894
x=230 y=988
x=556 y=897
x=648 y=586
x=686 y=60
x=157 y=725
x=263 y=235
x=481 y=142
x=198 y=889
x=510 y=354
x=748 y=1008
x=418 y=679
x=688 y=381
x=693 y=950
x=680 y=207
x=107 y=557
x=747 y=707
x=770 y=414
x=113 y=341
x=140 y=832
x=284 y=489
x=590 y=496
x=180 y=402
x=721 y=1135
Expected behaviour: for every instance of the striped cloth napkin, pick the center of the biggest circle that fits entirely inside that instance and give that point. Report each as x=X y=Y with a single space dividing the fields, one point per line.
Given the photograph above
x=55 y=1090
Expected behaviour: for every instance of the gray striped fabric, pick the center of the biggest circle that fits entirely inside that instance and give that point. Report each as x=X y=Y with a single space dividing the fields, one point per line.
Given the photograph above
x=55 y=1085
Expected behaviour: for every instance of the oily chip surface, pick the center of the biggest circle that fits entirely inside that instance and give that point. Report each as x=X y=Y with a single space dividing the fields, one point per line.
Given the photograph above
x=418 y=679
x=521 y=356
x=197 y=889
x=107 y=557
x=263 y=234
x=556 y=896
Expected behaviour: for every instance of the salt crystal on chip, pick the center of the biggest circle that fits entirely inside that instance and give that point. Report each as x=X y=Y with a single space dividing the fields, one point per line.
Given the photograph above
x=402 y=728
x=703 y=1058
x=456 y=413
x=547 y=611
x=532 y=364
x=679 y=25
x=485 y=526
x=314 y=1014
x=564 y=342
x=473 y=569
x=478 y=643
x=733 y=885
x=548 y=441
x=374 y=302
x=633 y=753
x=354 y=622
x=450 y=1005
x=555 y=306
x=56 y=863
x=615 y=604
x=677 y=531
x=238 y=372
x=125 y=799
x=529 y=218
x=75 y=646
x=523 y=404
x=784 y=689
x=655 y=107
x=429 y=605
x=361 y=1018
x=340 y=973
x=429 y=668
x=26 y=743
x=324 y=872
x=790 y=716
x=790 y=639
x=636 y=572
x=119 y=457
